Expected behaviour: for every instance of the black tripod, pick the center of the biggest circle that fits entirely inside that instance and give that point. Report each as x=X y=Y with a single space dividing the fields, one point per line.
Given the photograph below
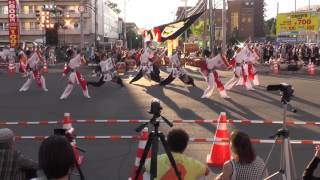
x=153 y=143
x=287 y=169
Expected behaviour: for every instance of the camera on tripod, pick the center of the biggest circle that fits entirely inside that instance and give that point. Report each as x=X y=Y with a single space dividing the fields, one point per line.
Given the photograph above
x=286 y=91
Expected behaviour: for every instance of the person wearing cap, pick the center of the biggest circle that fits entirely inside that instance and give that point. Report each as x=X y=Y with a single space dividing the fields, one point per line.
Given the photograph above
x=177 y=71
x=107 y=69
x=75 y=76
x=147 y=68
x=34 y=71
x=13 y=164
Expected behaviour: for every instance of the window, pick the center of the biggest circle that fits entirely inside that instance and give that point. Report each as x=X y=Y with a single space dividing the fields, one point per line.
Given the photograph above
x=3 y=26
x=249 y=19
x=243 y=20
x=3 y=9
x=25 y=25
x=234 y=20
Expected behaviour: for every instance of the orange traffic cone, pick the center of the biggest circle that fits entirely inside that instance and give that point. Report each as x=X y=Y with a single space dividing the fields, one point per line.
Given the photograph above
x=220 y=151
x=65 y=67
x=67 y=125
x=311 y=69
x=11 y=68
x=45 y=67
x=275 y=68
x=142 y=144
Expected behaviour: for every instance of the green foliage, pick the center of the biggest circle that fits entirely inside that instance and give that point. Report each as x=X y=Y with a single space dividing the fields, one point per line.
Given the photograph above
x=270 y=27
x=197 y=28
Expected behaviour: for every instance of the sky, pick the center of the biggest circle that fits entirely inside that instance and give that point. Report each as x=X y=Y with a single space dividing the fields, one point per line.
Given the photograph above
x=150 y=13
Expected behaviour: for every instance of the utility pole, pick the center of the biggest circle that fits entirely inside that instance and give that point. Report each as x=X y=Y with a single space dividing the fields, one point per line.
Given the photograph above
x=125 y=23
x=95 y=23
x=224 y=28
x=212 y=27
x=81 y=8
x=186 y=14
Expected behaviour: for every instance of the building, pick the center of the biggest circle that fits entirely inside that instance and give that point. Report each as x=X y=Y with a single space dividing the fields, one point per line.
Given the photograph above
x=244 y=19
x=100 y=23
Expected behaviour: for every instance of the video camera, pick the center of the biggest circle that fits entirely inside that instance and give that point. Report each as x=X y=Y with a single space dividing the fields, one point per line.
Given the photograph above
x=286 y=91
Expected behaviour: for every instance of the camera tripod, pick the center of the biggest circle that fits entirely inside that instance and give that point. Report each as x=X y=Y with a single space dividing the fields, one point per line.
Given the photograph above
x=287 y=166
x=153 y=143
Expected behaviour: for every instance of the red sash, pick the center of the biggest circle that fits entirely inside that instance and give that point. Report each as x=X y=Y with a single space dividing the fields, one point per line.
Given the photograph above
x=218 y=81
x=37 y=77
x=251 y=72
x=81 y=80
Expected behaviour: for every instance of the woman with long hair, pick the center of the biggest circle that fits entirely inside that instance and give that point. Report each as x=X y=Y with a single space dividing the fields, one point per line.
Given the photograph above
x=244 y=164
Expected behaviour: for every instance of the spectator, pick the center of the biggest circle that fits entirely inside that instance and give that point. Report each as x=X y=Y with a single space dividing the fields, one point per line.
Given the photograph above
x=56 y=158
x=244 y=164
x=190 y=169
x=308 y=172
x=13 y=165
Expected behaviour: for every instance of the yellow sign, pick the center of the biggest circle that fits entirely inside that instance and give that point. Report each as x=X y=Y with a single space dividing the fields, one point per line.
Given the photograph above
x=297 y=23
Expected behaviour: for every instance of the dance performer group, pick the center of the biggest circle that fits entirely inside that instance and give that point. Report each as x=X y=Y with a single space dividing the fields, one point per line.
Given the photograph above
x=242 y=63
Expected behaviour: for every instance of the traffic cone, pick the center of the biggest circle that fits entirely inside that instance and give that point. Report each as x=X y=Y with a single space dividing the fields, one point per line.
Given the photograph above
x=275 y=68
x=141 y=145
x=65 y=67
x=11 y=68
x=311 y=69
x=220 y=151
x=45 y=67
x=67 y=125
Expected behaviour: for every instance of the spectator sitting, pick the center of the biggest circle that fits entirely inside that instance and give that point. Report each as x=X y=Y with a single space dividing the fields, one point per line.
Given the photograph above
x=13 y=165
x=189 y=168
x=308 y=172
x=56 y=158
x=244 y=164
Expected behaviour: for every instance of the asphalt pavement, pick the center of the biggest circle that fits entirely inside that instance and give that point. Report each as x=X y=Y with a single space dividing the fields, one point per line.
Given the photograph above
x=106 y=159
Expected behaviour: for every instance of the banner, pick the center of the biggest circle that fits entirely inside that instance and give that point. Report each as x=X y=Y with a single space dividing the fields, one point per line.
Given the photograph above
x=13 y=24
x=297 y=23
x=172 y=30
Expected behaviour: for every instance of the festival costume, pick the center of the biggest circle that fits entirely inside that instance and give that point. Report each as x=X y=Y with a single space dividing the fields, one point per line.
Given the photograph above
x=34 y=73
x=177 y=71
x=75 y=77
x=240 y=76
x=108 y=73
x=212 y=77
x=147 y=68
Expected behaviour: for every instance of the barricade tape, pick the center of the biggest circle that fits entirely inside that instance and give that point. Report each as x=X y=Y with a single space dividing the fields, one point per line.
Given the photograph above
x=113 y=121
x=116 y=138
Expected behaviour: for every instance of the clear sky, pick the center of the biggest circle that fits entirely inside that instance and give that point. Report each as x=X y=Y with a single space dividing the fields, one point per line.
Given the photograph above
x=150 y=13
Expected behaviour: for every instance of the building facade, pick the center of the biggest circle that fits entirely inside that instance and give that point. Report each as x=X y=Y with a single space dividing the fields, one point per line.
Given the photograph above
x=99 y=22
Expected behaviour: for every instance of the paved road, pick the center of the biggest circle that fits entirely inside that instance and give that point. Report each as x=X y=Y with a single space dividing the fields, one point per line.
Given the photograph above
x=114 y=159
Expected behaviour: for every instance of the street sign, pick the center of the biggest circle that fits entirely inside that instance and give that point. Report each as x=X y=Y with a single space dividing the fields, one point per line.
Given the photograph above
x=81 y=9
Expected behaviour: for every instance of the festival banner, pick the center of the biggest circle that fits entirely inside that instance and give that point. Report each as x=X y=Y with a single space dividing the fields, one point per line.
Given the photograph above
x=297 y=23
x=13 y=24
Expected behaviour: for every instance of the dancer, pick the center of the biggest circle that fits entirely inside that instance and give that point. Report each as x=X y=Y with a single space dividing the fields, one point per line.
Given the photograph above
x=211 y=75
x=147 y=68
x=108 y=73
x=250 y=69
x=240 y=75
x=177 y=71
x=75 y=76
x=34 y=66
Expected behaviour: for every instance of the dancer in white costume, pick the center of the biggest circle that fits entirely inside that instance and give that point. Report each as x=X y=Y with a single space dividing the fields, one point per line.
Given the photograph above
x=211 y=75
x=75 y=76
x=250 y=69
x=240 y=76
x=34 y=66
x=177 y=71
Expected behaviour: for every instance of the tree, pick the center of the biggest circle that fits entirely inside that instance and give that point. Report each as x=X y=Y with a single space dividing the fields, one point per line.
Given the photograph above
x=270 y=27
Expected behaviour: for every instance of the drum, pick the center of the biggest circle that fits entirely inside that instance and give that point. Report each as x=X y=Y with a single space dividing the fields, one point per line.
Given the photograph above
x=121 y=67
x=131 y=64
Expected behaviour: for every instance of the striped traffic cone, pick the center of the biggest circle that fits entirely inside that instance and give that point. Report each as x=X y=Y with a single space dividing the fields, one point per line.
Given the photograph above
x=141 y=145
x=220 y=151
x=311 y=69
x=67 y=125
x=11 y=68
x=45 y=67
x=275 y=69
